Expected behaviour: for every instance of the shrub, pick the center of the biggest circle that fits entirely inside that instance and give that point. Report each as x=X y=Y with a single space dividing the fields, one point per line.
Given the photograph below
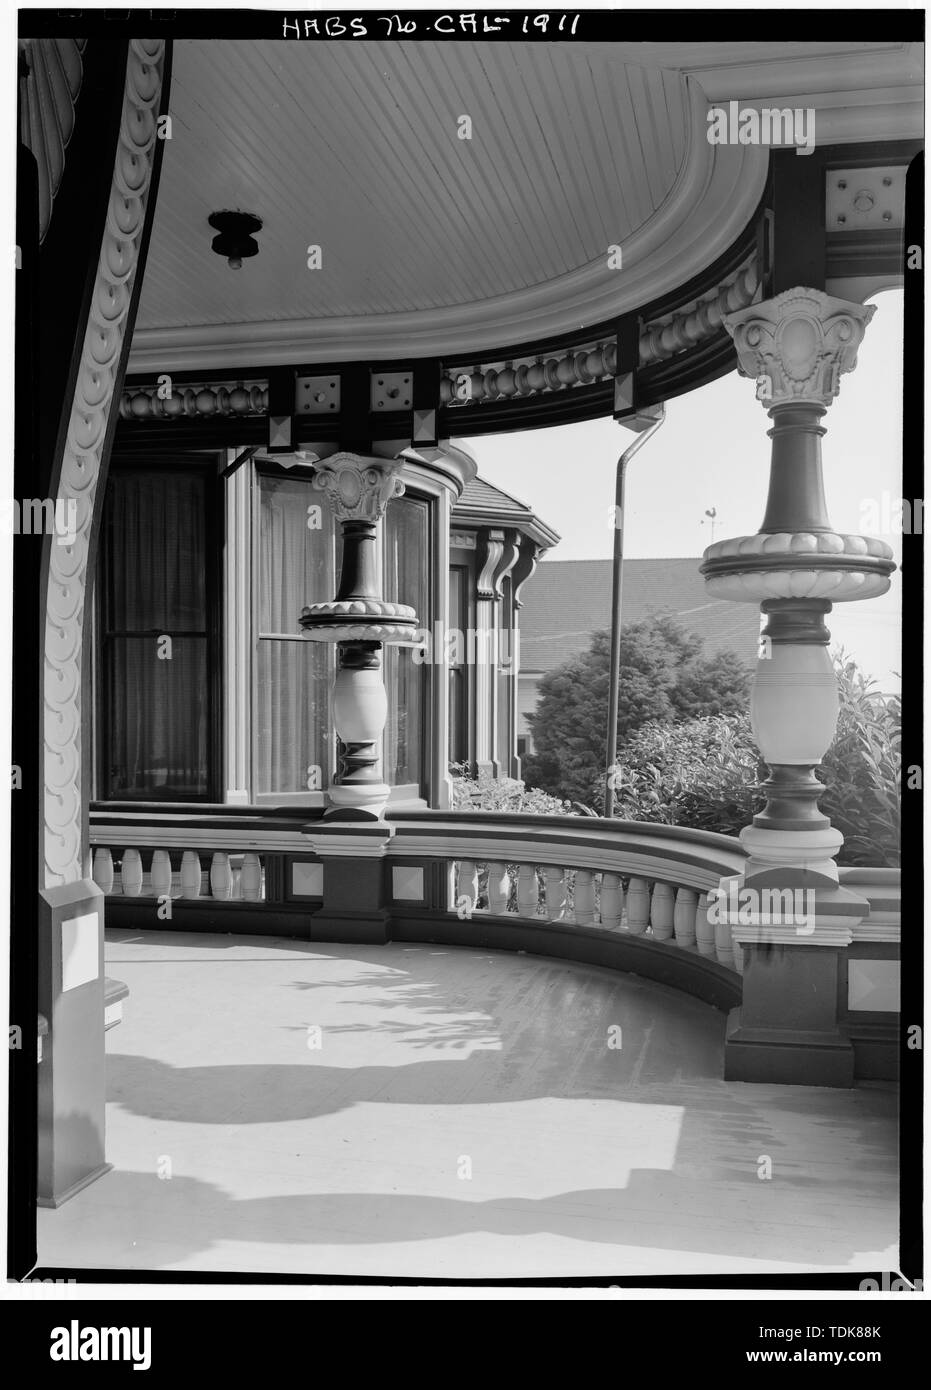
x=487 y=793
x=704 y=773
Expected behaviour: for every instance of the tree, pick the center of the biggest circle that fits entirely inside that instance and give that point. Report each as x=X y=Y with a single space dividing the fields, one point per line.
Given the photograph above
x=664 y=677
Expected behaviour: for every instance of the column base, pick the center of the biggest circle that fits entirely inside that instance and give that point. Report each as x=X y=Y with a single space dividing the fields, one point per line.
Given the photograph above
x=59 y=1199
x=786 y=1057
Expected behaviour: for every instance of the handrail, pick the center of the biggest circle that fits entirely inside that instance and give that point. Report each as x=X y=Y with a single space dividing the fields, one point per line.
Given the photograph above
x=696 y=859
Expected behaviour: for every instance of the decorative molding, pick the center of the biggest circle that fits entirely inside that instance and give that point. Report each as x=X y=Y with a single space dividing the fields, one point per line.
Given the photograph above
x=798 y=345
x=462 y=540
x=801 y=545
x=526 y=565
x=48 y=93
x=661 y=338
x=491 y=551
x=359 y=488
x=82 y=456
x=839 y=586
x=802 y=565
x=195 y=400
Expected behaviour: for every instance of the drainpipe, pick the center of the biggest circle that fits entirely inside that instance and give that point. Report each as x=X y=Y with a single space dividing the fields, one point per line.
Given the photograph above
x=647 y=422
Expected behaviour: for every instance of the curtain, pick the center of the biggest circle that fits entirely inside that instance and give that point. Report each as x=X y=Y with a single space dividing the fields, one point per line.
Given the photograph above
x=156 y=682
x=296 y=567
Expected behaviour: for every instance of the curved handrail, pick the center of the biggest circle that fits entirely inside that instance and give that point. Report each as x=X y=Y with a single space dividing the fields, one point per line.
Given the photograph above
x=693 y=858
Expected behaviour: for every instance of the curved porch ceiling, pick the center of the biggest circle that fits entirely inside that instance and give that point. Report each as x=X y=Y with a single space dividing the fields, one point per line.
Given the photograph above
x=432 y=244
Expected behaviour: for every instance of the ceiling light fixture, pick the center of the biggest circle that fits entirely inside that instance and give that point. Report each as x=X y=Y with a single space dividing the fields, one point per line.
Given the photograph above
x=235 y=240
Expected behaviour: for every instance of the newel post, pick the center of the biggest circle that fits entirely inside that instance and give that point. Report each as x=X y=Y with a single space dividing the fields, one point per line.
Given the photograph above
x=353 y=836
x=787 y=909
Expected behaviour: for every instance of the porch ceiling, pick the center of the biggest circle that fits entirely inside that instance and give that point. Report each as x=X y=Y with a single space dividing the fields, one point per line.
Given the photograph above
x=432 y=243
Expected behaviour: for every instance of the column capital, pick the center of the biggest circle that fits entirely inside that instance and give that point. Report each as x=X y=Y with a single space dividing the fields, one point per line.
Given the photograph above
x=359 y=487
x=798 y=345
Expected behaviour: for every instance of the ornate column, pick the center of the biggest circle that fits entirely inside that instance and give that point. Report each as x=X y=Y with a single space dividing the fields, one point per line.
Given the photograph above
x=352 y=838
x=360 y=621
x=787 y=909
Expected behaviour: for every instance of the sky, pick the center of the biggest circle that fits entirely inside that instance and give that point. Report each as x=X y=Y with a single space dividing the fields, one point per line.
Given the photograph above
x=713 y=452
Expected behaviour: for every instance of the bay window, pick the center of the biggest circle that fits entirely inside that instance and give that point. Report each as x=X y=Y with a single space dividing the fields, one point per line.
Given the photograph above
x=169 y=701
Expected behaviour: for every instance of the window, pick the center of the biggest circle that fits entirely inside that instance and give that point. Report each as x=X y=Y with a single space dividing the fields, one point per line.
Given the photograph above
x=161 y=699
x=292 y=729
x=158 y=615
x=406 y=580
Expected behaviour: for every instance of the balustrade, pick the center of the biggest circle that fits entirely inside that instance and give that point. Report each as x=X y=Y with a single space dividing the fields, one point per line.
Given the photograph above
x=674 y=914
x=218 y=876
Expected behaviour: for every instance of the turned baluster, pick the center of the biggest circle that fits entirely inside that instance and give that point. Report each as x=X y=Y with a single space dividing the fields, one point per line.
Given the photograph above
x=103 y=870
x=704 y=928
x=251 y=878
x=662 y=911
x=190 y=874
x=528 y=891
x=723 y=945
x=612 y=901
x=554 y=879
x=499 y=888
x=468 y=886
x=584 y=898
x=131 y=873
x=160 y=874
x=684 y=918
x=221 y=876
x=638 y=906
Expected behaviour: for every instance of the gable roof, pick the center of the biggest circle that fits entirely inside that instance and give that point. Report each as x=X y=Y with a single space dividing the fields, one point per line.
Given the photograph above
x=565 y=601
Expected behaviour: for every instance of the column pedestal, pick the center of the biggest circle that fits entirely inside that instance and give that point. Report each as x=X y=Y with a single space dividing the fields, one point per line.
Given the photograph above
x=355 y=881
x=72 y=1080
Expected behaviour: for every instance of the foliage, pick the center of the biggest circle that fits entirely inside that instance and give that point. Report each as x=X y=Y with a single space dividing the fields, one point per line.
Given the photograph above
x=863 y=770
x=703 y=772
x=487 y=793
x=664 y=677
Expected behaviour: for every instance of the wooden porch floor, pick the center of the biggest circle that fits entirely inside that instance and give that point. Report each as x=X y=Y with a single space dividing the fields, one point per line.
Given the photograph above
x=463 y=1116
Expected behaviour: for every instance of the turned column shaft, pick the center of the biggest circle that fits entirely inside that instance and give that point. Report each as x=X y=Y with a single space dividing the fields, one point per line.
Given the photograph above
x=796 y=500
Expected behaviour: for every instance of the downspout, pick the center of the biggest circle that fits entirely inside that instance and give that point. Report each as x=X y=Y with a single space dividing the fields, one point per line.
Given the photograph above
x=655 y=414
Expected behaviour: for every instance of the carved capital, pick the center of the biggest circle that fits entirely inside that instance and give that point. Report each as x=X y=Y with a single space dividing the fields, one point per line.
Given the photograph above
x=359 y=488
x=798 y=345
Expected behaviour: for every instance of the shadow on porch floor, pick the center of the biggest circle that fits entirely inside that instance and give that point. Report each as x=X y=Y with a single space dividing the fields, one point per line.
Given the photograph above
x=418 y=1111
